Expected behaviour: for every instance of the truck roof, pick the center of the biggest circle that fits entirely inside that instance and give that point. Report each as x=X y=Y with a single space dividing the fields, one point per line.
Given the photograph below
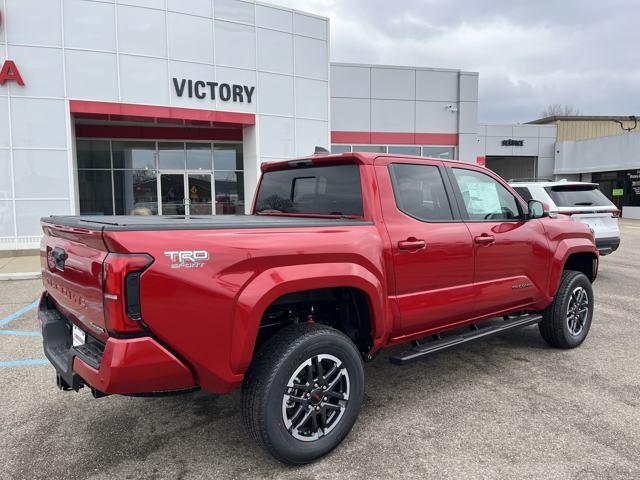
x=363 y=158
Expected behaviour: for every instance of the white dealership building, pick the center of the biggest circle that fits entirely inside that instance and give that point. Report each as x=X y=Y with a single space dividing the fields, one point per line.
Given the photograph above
x=169 y=107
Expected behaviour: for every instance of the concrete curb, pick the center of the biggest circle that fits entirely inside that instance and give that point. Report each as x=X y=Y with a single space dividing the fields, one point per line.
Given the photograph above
x=20 y=276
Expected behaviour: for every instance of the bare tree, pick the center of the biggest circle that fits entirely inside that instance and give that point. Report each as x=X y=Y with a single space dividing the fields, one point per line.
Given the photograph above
x=559 y=110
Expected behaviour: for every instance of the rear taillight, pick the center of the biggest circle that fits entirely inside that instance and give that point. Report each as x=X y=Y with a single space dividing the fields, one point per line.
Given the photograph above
x=615 y=213
x=121 y=293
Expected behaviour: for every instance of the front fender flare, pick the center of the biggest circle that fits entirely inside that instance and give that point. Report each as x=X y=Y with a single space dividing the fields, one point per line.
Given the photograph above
x=564 y=250
x=273 y=283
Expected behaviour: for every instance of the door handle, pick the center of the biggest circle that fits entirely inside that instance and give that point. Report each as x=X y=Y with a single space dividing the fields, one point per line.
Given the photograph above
x=411 y=244
x=484 y=239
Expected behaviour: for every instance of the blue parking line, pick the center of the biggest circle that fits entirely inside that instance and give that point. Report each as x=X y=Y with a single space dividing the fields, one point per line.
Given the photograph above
x=21 y=363
x=19 y=313
x=20 y=333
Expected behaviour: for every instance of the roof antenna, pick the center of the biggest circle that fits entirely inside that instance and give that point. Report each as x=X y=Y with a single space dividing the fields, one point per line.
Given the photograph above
x=321 y=151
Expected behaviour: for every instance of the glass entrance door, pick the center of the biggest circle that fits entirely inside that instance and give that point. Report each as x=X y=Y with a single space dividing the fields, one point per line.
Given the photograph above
x=172 y=198
x=185 y=194
x=199 y=188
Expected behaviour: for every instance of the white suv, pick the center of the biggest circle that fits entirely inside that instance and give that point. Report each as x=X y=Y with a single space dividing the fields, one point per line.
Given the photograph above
x=582 y=201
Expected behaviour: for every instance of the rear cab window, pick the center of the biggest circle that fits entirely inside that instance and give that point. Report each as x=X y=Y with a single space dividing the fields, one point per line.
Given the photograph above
x=574 y=195
x=322 y=190
x=420 y=192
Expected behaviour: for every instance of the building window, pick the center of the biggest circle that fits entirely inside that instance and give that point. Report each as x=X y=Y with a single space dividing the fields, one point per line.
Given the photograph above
x=228 y=163
x=340 y=148
x=136 y=192
x=126 y=177
x=444 y=153
x=622 y=187
x=405 y=150
x=370 y=148
x=171 y=156
x=93 y=154
x=199 y=156
x=133 y=154
x=96 y=194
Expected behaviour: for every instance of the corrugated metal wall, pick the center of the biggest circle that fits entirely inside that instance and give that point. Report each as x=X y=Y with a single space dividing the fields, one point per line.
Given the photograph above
x=582 y=130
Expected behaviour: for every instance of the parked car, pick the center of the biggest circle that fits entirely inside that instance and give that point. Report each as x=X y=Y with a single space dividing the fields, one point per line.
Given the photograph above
x=344 y=255
x=582 y=201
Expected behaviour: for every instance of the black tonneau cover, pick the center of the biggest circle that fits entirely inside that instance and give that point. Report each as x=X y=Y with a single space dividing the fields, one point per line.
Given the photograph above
x=195 y=222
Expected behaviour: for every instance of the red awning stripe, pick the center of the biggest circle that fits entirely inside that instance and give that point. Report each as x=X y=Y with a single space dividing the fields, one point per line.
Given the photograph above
x=128 y=110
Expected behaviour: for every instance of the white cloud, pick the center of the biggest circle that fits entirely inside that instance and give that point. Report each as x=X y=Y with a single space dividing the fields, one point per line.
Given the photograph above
x=528 y=53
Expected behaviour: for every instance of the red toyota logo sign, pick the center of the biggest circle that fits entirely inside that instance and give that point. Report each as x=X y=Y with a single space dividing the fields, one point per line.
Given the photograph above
x=9 y=71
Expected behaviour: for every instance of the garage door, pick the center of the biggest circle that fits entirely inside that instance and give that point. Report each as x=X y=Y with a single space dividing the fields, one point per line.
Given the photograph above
x=513 y=167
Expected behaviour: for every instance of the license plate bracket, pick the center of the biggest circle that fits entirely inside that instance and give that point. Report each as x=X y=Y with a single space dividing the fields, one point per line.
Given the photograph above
x=78 y=336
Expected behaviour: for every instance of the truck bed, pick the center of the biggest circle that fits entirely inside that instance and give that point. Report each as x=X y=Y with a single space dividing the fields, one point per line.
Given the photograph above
x=194 y=222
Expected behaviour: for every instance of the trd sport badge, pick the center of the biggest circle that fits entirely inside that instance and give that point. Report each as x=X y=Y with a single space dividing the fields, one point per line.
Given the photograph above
x=188 y=258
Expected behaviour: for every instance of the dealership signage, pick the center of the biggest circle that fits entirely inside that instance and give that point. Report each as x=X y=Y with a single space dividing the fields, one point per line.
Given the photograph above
x=9 y=71
x=634 y=177
x=202 y=89
x=510 y=142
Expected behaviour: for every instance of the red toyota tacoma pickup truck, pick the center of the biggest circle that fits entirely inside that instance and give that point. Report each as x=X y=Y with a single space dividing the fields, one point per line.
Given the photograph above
x=343 y=255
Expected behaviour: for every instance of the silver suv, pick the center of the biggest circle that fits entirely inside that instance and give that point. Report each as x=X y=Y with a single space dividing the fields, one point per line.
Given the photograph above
x=582 y=201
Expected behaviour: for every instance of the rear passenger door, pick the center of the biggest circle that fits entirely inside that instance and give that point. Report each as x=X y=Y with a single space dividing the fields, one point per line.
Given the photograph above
x=511 y=254
x=431 y=246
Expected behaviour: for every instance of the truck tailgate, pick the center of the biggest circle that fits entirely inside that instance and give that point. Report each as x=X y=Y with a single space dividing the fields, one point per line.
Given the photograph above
x=71 y=260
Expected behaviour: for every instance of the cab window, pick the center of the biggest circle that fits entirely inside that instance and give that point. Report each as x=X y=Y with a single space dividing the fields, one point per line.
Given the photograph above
x=330 y=190
x=484 y=198
x=420 y=192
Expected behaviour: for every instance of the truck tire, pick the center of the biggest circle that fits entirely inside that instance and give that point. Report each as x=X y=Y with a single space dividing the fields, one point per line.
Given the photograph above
x=303 y=392
x=566 y=322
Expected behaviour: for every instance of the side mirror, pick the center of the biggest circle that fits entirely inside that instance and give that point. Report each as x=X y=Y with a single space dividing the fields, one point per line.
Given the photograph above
x=537 y=209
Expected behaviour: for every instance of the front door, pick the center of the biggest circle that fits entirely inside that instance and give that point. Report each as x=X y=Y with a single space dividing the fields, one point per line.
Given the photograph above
x=431 y=246
x=172 y=194
x=511 y=254
x=185 y=194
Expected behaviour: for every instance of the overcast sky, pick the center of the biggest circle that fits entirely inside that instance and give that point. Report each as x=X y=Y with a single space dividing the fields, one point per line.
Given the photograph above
x=584 y=53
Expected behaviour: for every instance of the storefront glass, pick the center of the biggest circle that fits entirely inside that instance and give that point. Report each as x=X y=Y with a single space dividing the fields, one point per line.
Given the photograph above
x=621 y=187
x=135 y=192
x=152 y=178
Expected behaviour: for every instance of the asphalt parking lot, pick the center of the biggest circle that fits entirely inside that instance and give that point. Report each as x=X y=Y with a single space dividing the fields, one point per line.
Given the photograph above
x=508 y=407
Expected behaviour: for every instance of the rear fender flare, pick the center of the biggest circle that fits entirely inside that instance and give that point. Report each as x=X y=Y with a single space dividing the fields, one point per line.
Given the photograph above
x=271 y=284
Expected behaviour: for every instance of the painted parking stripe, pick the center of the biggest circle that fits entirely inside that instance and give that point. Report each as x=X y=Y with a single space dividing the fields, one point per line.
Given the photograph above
x=19 y=313
x=20 y=333
x=21 y=363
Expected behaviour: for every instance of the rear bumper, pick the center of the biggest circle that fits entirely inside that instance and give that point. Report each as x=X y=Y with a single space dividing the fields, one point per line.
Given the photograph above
x=119 y=366
x=607 y=245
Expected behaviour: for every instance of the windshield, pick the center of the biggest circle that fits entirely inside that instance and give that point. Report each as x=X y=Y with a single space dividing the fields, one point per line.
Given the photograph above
x=578 y=196
x=332 y=190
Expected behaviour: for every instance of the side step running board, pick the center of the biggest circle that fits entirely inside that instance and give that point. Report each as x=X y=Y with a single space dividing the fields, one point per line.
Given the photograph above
x=435 y=346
